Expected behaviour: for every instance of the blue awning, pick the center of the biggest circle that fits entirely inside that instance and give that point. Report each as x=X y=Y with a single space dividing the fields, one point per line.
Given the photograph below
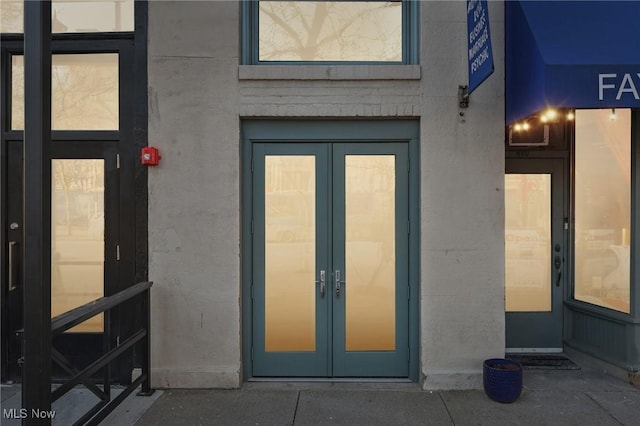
x=572 y=54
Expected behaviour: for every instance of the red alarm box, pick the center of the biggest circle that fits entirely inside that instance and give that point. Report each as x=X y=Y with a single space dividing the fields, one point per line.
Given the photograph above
x=150 y=156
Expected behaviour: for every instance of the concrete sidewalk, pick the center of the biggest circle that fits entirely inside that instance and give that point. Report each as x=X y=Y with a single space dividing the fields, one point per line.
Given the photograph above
x=550 y=397
x=73 y=405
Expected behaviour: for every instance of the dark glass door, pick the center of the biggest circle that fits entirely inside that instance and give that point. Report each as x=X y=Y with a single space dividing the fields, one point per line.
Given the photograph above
x=84 y=250
x=97 y=249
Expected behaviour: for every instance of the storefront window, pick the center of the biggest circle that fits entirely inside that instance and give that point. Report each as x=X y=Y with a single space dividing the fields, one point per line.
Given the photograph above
x=603 y=207
x=73 y=16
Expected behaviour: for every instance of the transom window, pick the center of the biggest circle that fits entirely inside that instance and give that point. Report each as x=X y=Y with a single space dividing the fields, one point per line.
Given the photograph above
x=73 y=16
x=330 y=32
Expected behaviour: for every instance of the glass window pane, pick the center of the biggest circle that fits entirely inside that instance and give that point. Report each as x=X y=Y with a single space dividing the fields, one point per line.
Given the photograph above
x=77 y=237
x=603 y=207
x=84 y=92
x=370 y=253
x=11 y=16
x=330 y=31
x=290 y=253
x=527 y=242
x=73 y=16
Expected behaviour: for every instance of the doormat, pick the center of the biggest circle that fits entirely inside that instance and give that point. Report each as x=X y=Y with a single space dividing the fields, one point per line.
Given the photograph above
x=544 y=362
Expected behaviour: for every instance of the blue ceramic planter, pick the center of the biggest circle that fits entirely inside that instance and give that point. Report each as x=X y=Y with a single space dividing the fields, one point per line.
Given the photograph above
x=502 y=379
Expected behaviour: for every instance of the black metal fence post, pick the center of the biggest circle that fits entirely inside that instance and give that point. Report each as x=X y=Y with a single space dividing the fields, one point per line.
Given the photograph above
x=145 y=310
x=36 y=374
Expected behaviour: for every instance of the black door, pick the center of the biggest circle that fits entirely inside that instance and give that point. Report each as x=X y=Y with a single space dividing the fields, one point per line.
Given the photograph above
x=84 y=205
x=95 y=176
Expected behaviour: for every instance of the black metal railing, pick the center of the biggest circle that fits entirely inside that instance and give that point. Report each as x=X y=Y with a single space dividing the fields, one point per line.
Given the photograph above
x=139 y=293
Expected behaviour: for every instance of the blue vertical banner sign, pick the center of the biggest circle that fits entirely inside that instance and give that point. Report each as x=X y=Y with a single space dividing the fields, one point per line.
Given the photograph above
x=479 y=42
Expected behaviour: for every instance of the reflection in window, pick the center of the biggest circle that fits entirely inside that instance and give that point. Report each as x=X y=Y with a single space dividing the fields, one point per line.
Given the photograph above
x=73 y=16
x=290 y=253
x=330 y=31
x=77 y=237
x=602 y=207
x=527 y=242
x=84 y=92
x=370 y=253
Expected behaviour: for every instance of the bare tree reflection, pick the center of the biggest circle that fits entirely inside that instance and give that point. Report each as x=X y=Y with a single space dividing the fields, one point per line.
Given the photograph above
x=84 y=92
x=331 y=30
x=79 y=177
x=11 y=13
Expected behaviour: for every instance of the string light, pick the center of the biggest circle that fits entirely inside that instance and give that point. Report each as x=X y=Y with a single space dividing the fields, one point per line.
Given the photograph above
x=613 y=115
x=550 y=116
x=518 y=127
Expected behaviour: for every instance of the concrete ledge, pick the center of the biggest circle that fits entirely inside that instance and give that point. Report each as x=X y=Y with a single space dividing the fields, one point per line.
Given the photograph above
x=452 y=380
x=329 y=72
x=186 y=378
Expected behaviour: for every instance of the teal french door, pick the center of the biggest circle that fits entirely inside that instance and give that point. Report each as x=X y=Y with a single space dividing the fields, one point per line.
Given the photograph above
x=330 y=261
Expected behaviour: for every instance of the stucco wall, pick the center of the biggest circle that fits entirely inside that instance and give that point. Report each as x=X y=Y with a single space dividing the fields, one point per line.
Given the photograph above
x=197 y=95
x=462 y=199
x=194 y=220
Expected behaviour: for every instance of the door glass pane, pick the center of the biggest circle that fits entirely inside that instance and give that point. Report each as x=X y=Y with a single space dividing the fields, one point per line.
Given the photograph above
x=84 y=92
x=330 y=31
x=77 y=237
x=72 y=16
x=603 y=207
x=290 y=253
x=370 y=260
x=528 y=242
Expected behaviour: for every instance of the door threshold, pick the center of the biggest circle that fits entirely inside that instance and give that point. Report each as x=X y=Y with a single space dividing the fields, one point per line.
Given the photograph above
x=330 y=380
x=533 y=350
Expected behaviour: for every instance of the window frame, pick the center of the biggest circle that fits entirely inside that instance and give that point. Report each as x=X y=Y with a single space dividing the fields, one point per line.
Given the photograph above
x=249 y=34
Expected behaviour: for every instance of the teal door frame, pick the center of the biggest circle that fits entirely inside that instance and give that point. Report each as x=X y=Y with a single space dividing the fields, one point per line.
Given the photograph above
x=301 y=132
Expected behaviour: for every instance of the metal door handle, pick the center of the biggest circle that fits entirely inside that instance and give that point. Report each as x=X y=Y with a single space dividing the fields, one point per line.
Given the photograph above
x=557 y=262
x=13 y=265
x=322 y=282
x=339 y=282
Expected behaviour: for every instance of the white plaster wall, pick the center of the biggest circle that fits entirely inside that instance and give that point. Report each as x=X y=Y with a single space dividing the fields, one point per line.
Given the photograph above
x=194 y=194
x=462 y=179
x=197 y=95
